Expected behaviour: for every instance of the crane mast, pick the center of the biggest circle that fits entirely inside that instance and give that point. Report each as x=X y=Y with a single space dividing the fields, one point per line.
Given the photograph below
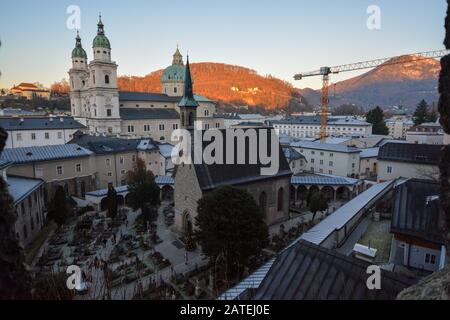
x=326 y=71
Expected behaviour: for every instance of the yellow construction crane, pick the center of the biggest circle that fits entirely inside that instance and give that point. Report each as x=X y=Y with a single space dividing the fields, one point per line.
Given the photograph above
x=326 y=71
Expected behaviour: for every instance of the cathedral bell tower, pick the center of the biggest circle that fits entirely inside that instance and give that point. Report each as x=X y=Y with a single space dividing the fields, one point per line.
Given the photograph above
x=103 y=103
x=78 y=77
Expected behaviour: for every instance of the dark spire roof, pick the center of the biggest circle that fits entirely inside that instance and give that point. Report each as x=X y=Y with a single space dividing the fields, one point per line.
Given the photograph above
x=188 y=99
x=100 y=25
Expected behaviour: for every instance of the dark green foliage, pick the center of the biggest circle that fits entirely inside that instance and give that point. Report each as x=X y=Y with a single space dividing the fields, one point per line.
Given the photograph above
x=376 y=118
x=111 y=200
x=142 y=187
x=421 y=114
x=15 y=281
x=318 y=202
x=59 y=208
x=230 y=224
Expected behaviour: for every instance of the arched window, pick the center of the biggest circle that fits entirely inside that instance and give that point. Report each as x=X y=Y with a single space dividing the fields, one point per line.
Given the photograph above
x=182 y=119
x=263 y=203
x=280 y=199
x=191 y=119
x=106 y=79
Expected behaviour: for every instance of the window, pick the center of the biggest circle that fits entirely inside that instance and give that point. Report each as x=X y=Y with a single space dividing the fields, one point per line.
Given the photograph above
x=206 y=113
x=122 y=171
x=330 y=163
x=389 y=169
x=59 y=135
x=280 y=199
x=353 y=165
x=321 y=161
x=331 y=154
x=47 y=135
x=108 y=162
x=161 y=127
x=39 y=172
x=130 y=128
x=133 y=158
x=330 y=171
x=430 y=258
x=146 y=127
x=109 y=174
x=108 y=113
x=321 y=153
x=175 y=90
x=312 y=160
x=313 y=152
x=33 y=136
x=106 y=79
x=78 y=167
x=121 y=160
x=19 y=137
x=59 y=170
x=175 y=126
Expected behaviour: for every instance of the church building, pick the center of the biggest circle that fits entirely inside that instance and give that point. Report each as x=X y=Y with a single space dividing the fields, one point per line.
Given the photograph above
x=98 y=104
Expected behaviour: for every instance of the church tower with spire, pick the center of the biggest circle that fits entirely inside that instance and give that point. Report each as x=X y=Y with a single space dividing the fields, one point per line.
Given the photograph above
x=173 y=77
x=188 y=105
x=102 y=105
x=79 y=77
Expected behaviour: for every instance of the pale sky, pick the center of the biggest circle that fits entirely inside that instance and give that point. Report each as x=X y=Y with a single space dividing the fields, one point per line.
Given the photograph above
x=280 y=38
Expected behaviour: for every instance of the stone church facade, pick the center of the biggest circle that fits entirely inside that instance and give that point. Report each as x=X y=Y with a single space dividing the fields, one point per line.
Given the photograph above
x=97 y=102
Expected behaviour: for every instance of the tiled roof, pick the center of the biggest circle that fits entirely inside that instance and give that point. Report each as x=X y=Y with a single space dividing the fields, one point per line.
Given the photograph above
x=216 y=175
x=148 y=113
x=410 y=152
x=20 y=187
x=416 y=210
x=39 y=123
x=322 y=179
x=309 y=272
x=324 y=146
x=164 y=180
x=4 y=163
x=44 y=153
x=106 y=145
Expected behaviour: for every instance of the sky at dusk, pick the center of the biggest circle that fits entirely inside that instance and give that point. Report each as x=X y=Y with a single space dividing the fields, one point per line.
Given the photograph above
x=280 y=37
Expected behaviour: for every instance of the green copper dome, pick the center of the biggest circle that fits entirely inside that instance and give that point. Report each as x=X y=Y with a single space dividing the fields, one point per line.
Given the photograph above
x=78 y=51
x=101 y=41
x=174 y=73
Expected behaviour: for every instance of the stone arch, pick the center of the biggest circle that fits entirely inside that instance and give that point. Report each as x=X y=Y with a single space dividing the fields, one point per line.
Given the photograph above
x=167 y=193
x=342 y=193
x=328 y=192
x=292 y=194
x=187 y=222
x=302 y=193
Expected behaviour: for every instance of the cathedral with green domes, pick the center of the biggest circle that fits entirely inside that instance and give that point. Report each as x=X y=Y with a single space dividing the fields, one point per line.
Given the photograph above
x=97 y=102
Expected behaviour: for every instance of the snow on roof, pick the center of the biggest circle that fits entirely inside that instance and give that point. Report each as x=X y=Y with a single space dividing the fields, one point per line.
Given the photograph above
x=324 y=146
x=165 y=149
x=322 y=179
x=21 y=187
x=369 y=153
x=370 y=252
x=341 y=216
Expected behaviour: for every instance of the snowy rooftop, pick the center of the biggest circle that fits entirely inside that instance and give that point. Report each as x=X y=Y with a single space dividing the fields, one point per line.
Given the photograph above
x=324 y=146
x=322 y=179
x=341 y=216
x=369 y=153
x=20 y=187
